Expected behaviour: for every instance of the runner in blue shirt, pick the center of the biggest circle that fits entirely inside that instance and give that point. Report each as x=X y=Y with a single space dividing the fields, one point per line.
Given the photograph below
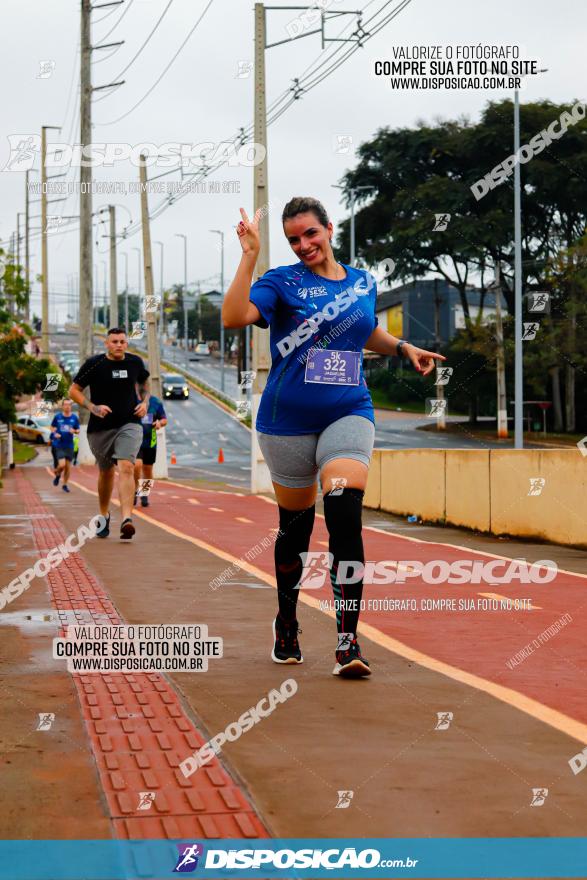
x=316 y=415
x=65 y=424
x=154 y=419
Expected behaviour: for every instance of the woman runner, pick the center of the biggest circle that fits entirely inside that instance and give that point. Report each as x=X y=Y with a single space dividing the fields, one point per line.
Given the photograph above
x=315 y=415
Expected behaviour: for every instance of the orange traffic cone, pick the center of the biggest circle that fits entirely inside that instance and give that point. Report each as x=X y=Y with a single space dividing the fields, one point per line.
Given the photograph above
x=220 y=456
x=173 y=459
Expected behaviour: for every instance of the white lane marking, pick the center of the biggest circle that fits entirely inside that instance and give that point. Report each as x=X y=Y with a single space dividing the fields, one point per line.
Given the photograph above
x=194 y=442
x=222 y=437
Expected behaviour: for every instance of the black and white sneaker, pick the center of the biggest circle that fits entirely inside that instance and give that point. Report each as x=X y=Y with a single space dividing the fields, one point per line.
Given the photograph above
x=286 y=648
x=350 y=663
x=105 y=530
x=127 y=529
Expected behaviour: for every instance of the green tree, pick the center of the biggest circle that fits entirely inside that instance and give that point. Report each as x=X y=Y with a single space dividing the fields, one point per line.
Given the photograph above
x=20 y=373
x=413 y=174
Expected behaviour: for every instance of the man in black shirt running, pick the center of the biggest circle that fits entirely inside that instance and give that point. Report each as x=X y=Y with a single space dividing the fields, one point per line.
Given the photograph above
x=116 y=380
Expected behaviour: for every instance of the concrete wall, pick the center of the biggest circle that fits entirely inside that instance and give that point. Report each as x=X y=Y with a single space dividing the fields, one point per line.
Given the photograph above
x=486 y=490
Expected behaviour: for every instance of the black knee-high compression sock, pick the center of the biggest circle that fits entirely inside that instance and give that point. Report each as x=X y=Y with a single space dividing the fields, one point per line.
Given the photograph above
x=343 y=521
x=295 y=530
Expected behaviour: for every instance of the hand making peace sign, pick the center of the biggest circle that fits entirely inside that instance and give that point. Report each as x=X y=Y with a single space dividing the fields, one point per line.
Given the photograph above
x=248 y=232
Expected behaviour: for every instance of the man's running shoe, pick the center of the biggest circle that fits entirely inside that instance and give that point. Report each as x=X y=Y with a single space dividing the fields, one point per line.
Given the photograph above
x=144 y=501
x=134 y=504
x=56 y=479
x=65 y=488
x=286 y=648
x=127 y=529
x=349 y=661
x=105 y=530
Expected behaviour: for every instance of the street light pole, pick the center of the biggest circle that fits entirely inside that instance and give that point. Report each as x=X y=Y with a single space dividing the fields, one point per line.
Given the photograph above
x=125 y=255
x=518 y=364
x=160 y=243
x=221 y=234
x=105 y=292
x=140 y=271
x=352 y=191
x=185 y=291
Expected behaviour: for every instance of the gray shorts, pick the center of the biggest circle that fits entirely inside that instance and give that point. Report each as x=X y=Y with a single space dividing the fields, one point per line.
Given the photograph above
x=295 y=461
x=117 y=443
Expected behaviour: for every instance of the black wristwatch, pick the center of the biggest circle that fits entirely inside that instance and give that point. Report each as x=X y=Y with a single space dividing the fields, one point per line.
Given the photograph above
x=400 y=346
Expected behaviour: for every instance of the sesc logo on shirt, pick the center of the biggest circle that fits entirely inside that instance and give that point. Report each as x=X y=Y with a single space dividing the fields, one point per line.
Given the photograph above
x=313 y=292
x=120 y=374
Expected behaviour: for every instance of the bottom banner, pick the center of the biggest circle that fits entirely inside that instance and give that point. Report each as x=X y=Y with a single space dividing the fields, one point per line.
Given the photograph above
x=530 y=857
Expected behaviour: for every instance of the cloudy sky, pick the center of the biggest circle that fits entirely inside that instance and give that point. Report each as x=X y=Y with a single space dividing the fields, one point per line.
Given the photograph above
x=202 y=98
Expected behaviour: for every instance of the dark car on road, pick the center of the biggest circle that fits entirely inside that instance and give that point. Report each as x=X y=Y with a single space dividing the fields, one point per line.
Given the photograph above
x=175 y=385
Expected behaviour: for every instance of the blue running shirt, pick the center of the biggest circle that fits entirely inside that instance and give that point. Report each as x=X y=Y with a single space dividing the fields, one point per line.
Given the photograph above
x=305 y=311
x=64 y=425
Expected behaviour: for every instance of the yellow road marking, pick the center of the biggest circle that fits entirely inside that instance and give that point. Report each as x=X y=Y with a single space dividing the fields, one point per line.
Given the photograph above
x=558 y=720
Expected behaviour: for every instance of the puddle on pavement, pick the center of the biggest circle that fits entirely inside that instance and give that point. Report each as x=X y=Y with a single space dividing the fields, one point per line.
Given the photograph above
x=29 y=619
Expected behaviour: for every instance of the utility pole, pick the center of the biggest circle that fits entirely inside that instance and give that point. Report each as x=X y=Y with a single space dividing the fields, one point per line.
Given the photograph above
x=113 y=276
x=85 y=195
x=26 y=247
x=152 y=344
x=502 y=414
x=44 y=258
x=160 y=469
x=260 y=476
x=441 y=421
x=18 y=216
x=44 y=253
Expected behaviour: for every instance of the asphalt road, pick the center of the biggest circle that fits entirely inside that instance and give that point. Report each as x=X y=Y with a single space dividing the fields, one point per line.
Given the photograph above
x=204 y=367
x=196 y=431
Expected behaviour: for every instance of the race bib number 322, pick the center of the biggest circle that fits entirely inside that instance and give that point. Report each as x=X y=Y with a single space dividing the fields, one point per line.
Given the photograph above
x=325 y=367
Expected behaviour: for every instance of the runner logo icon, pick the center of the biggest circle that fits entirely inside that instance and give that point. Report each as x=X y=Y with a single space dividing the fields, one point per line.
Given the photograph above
x=317 y=564
x=187 y=859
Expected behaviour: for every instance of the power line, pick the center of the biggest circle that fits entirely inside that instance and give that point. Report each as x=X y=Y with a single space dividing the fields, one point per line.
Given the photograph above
x=127 y=6
x=161 y=17
x=158 y=80
x=248 y=130
x=132 y=229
